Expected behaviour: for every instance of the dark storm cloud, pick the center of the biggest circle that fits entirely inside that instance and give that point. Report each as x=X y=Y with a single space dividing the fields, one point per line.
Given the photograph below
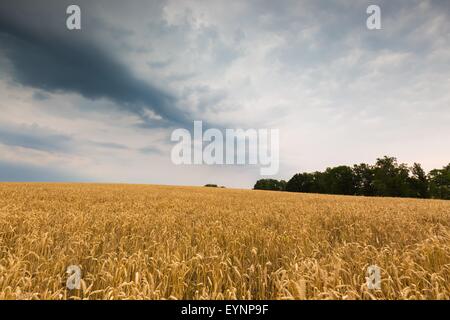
x=46 y=56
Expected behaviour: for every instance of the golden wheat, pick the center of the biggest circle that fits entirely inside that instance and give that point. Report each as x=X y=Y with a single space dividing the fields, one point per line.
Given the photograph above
x=158 y=242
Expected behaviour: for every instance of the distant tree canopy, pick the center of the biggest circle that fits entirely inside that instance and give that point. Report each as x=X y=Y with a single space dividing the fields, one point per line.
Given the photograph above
x=385 y=178
x=270 y=184
x=439 y=183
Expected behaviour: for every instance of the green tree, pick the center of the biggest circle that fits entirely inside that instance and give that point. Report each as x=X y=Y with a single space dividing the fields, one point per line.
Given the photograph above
x=319 y=184
x=270 y=184
x=363 y=175
x=440 y=183
x=339 y=180
x=390 y=178
x=300 y=182
x=419 y=185
x=386 y=178
x=210 y=185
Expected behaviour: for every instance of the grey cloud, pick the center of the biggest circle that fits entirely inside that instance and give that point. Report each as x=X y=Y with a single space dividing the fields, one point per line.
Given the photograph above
x=181 y=76
x=57 y=60
x=35 y=138
x=14 y=172
x=150 y=150
x=337 y=27
x=159 y=64
x=38 y=138
x=109 y=145
x=40 y=96
x=206 y=97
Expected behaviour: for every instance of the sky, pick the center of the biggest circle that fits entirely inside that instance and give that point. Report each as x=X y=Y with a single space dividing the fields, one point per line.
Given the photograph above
x=100 y=104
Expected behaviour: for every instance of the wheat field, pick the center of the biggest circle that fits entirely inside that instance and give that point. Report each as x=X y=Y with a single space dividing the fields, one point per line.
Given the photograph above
x=161 y=242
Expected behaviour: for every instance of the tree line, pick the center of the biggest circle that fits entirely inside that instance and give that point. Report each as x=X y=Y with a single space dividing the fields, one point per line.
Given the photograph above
x=385 y=178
